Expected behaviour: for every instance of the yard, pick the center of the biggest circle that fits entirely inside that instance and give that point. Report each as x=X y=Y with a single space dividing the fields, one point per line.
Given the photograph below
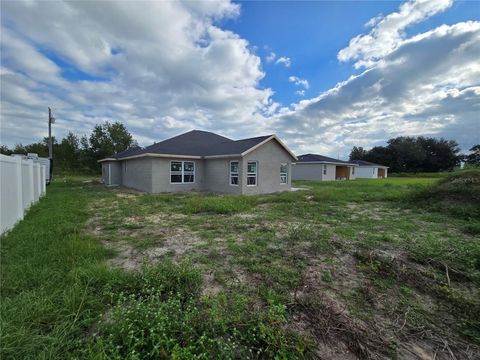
x=367 y=269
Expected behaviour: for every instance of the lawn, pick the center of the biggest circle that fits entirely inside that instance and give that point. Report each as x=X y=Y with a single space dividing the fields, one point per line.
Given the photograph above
x=339 y=270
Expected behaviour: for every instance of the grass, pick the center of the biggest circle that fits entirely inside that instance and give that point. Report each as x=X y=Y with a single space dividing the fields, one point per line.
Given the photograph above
x=245 y=277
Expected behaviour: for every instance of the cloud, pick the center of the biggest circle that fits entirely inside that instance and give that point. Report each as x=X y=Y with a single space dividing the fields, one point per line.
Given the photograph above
x=299 y=82
x=158 y=67
x=388 y=32
x=270 y=57
x=162 y=68
x=284 y=60
x=428 y=85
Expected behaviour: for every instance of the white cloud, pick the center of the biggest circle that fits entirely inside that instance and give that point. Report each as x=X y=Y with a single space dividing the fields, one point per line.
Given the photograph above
x=299 y=82
x=428 y=85
x=270 y=57
x=166 y=67
x=388 y=32
x=284 y=61
x=300 y=92
x=162 y=67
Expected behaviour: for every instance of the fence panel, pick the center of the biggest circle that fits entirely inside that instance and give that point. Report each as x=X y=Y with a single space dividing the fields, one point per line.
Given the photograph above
x=22 y=182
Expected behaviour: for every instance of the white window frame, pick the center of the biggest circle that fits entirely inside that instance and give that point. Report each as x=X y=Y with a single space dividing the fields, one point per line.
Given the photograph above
x=183 y=173
x=251 y=174
x=284 y=174
x=237 y=174
x=324 y=169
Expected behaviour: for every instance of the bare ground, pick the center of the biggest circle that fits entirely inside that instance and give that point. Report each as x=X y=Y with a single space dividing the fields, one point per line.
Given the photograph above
x=320 y=307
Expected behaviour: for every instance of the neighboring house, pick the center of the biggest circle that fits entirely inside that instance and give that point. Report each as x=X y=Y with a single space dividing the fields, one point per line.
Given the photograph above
x=319 y=167
x=368 y=170
x=203 y=161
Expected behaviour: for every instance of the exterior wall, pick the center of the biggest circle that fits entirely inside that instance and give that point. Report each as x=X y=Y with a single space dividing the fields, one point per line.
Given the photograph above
x=217 y=176
x=137 y=174
x=366 y=172
x=353 y=172
x=160 y=176
x=269 y=156
x=112 y=172
x=305 y=171
x=314 y=171
x=153 y=174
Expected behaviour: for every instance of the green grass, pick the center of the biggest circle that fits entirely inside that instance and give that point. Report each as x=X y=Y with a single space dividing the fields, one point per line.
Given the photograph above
x=240 y=276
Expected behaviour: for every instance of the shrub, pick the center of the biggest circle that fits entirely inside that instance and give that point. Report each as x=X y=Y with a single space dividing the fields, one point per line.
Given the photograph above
x=165 y=317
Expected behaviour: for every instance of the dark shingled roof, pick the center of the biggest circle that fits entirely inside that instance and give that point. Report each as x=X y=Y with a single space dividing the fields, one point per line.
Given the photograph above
x=198 y=143
x=365 y=163
x=129 y=152
x=320 y=158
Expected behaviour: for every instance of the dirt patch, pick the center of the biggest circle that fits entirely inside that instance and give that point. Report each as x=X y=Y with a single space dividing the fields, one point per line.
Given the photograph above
x=210 y=286
x=246 y=216
x=130 y=258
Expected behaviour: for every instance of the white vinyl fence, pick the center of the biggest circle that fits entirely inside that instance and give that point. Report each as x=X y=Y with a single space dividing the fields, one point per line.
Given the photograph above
x=22 y=183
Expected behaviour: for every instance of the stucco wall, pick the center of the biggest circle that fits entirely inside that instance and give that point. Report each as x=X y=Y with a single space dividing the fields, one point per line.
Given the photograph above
x=112 y=172
x=137 y=174
x=161 y=176
x=314 y=171
x=366 y=172
x=305 y=171
x=269 y=157
x=217 y=176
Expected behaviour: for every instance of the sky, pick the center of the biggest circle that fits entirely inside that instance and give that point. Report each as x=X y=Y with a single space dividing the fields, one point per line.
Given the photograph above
x=324 y=76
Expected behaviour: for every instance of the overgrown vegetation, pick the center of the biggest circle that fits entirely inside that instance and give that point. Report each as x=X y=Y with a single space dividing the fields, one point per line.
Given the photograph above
x=367 y=268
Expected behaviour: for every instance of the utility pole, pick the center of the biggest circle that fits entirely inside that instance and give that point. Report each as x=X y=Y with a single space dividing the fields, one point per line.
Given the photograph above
x=51 y=120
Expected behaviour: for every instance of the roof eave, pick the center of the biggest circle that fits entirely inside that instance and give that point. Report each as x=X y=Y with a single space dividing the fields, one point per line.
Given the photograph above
x=107 y=159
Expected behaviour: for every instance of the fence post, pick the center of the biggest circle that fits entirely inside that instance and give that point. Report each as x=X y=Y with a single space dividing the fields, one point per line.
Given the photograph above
x=18 y=180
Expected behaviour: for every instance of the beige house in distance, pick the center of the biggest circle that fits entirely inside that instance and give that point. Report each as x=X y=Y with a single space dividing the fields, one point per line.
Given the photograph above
x=204 y=161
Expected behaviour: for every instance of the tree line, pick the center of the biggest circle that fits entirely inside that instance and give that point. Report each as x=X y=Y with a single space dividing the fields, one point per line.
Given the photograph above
x=417 y=154
x=75 y=154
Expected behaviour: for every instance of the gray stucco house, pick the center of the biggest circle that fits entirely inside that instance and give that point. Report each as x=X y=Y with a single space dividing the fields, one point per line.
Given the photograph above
x=319 y=167
x=203 y=161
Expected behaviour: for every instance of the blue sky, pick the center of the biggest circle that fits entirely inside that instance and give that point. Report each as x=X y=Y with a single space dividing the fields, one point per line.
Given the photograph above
x=311 y=33
x=324 y=76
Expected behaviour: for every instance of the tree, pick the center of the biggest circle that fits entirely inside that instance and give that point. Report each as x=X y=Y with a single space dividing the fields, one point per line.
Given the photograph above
x=410 y=154
x=357 y=153
x=5 y=150
x=106 y=140
x=474 y=157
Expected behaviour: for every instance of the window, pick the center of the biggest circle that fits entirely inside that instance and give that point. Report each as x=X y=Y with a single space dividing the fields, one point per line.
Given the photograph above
x=324 y=169
x=283 y=173
x=233 y=172
x=373 y=171
x=182 y=172
x=252 y=173
x=353 y=170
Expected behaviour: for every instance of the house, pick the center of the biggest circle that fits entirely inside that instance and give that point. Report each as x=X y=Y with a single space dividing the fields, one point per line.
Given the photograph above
x=203 y=161
x=369 y=170
x=319 y=167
